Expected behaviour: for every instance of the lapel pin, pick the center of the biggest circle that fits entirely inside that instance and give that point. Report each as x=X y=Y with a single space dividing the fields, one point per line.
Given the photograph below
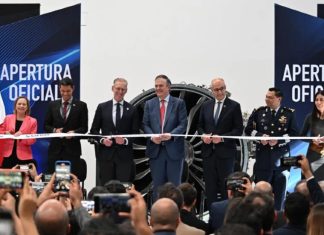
x=127 y=108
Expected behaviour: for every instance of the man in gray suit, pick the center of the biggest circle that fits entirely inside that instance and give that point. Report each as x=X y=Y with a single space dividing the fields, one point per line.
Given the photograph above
x=165 y=115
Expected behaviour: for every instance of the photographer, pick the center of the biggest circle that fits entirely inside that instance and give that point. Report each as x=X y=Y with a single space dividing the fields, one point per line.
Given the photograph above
x=315 y=190
x=239 y=184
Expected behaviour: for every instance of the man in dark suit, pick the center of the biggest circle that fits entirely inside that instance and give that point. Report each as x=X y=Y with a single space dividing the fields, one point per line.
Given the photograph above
x=221 y=116
x=296 y=211
x=116 y=117
x=165 y=115
x=66 y=115
x=272 y=120
x=235 y=192
x=187 y=214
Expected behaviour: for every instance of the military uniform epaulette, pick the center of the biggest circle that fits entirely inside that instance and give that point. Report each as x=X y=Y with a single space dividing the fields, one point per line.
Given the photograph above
x=289 y=109
x=260 y=108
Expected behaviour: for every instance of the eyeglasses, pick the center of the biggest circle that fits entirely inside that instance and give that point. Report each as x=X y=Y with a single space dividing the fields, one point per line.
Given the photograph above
x=218 y=89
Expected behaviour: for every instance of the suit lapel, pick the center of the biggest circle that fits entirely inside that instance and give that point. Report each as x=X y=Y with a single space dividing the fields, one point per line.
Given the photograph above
x=24 y=124
x=223 y=111
x=109 y=111
x=156 y=113
x=12 y=123
x=169 y=109
x=210 y=109
x=72 y=110
x=125 y=110
x=57 y=109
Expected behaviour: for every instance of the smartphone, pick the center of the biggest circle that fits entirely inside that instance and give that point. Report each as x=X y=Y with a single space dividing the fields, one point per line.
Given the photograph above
x=62 y=176
x=111 y=202
x=46 y=177
x=290 y=161
x=6 y=223
x=11 y=179
x=89 y=205
x=24 y=167
x=38 y=186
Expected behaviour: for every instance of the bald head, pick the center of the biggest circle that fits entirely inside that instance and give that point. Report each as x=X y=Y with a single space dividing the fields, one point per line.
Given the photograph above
x=164 y=215
x=302 y=188
x=263 y=187
x=218 y=88
x=217 y=82
x=52 y=218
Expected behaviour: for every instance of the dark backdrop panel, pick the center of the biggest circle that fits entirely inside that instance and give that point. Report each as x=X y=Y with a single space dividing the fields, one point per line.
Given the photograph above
x=42 y=50
x=10 y=13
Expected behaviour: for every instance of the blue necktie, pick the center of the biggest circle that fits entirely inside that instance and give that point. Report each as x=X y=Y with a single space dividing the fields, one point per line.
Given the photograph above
x=217 y=112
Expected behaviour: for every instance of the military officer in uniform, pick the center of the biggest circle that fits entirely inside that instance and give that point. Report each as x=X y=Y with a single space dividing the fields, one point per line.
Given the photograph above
x=272 y=120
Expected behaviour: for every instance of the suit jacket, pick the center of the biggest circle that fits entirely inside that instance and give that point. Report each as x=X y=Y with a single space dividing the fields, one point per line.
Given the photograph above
x=184 y=229
x=290 y=229
x=103 y=125
x=315 y=191
x=191 y=219
x=217 y=214
x=77 y=121
x=175 y=122
x=29 y=126
x=230 y=123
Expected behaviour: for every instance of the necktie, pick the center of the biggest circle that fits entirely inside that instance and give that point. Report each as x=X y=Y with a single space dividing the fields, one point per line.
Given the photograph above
x=217 y=112
x=65 y=109
x=273 y=113
x=117 y=114
x=162 y=113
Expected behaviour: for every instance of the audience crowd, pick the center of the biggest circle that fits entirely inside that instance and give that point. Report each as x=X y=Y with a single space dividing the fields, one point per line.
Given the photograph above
x=249 y=209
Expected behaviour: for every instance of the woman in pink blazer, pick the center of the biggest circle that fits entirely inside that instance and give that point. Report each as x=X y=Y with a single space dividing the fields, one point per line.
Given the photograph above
x=19 y=152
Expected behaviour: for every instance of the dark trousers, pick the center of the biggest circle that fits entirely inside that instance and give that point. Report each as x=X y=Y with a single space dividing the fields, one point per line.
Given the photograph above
x=164 y=169
x=114 y=169
x=216 y=170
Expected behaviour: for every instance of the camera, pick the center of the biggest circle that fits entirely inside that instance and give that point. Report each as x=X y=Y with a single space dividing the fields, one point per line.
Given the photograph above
x=290 y=161
x=127 y=185
x=111 y=202
x=235 y=184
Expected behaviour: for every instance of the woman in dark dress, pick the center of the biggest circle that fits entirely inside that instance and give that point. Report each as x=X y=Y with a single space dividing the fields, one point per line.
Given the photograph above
x=314 y=126
x=17 y=152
